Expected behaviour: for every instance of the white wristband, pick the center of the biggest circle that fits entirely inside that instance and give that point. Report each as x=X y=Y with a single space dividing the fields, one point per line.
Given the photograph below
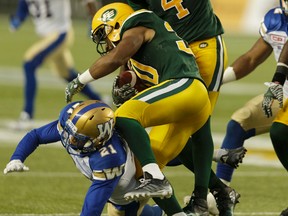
x=229 y=75
x=86 y=77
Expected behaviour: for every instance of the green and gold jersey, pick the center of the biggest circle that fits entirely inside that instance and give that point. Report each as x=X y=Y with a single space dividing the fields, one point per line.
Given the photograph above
x=166 y=56
x=192 y=19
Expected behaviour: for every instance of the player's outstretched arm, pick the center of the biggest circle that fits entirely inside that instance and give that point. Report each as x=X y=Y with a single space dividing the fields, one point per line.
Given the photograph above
x=44 y=135
x=15 y=166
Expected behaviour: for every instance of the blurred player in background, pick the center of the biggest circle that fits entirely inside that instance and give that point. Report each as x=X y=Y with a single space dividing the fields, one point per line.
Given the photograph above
x=249 y=120
x=52 y=20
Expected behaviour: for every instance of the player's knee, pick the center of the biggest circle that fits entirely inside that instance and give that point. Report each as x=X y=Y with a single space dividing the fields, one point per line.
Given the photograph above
x=233 y=126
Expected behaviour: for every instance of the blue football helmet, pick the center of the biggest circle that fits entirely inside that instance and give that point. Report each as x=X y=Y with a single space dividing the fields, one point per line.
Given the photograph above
x=86 y=126
x=284 y=6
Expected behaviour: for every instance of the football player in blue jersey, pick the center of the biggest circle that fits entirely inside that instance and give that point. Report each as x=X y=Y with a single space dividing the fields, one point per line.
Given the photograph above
x=53 y=24
x=249 y=120
x=86 y=130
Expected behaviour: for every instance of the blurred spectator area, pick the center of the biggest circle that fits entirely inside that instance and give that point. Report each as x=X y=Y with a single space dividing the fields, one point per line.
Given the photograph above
x=242 y=16
x=237 y=16
x=78 y=10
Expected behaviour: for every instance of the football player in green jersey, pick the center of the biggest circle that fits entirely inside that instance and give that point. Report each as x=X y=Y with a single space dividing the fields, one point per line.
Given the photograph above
x=195 y=22
x=165 y=62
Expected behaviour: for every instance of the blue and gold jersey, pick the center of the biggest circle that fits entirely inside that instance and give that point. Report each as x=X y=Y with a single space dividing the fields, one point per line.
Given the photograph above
x=111 y=169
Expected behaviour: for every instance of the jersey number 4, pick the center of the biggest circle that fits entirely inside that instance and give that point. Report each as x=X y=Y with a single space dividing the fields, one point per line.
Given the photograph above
x=181 y=10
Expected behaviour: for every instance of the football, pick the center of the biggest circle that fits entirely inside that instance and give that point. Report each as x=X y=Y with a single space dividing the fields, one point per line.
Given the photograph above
x=130 y=76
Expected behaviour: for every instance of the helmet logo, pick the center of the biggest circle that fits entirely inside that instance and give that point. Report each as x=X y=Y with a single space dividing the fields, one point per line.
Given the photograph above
x=108 y=15
x=106 y=128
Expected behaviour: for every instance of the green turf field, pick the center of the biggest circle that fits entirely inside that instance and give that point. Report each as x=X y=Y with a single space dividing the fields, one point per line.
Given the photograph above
x=53 y=186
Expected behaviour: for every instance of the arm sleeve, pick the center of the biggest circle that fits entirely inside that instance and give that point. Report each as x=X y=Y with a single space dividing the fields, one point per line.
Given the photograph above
x=97 y=196
x=44 y=135
x=22 y=12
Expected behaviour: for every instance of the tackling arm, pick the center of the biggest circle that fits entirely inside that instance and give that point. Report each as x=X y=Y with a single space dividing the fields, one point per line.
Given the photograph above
x=275 y=87
x=281 y=72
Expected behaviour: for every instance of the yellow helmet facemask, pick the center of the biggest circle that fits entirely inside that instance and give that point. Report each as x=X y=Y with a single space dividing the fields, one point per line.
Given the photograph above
x=106 y=25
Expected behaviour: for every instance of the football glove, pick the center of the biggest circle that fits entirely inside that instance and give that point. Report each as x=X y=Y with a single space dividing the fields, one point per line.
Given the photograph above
x=275 y=91
x=15 y=166
x=15 y=23
x=73 y=87
x=233 y=157
x=122 y=94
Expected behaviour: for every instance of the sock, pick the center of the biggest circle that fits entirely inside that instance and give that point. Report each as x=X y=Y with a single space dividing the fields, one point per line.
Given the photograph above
x=132 y=132
x=279 y=137
x=30 y=87
x=215 y=182
x=174 y=162
x=218 y=153
x=234 y=138
x=153 y=169
x=169 y=205
x=202 y=152
x=151 y=211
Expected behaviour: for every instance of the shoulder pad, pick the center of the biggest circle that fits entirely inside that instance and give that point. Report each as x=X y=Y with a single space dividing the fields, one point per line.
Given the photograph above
x=273 y=19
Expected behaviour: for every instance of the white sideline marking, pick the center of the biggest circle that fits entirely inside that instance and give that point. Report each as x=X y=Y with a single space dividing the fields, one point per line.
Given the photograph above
x=259 y=146
x=14 y=76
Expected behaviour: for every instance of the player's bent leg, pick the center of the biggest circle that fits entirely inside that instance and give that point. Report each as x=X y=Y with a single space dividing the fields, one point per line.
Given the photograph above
x=151 y=187
x=234 y=138
x=226 y=200
x=279 y=136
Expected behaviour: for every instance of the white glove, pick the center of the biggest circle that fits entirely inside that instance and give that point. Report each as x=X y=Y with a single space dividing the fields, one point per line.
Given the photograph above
x=15 y=166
